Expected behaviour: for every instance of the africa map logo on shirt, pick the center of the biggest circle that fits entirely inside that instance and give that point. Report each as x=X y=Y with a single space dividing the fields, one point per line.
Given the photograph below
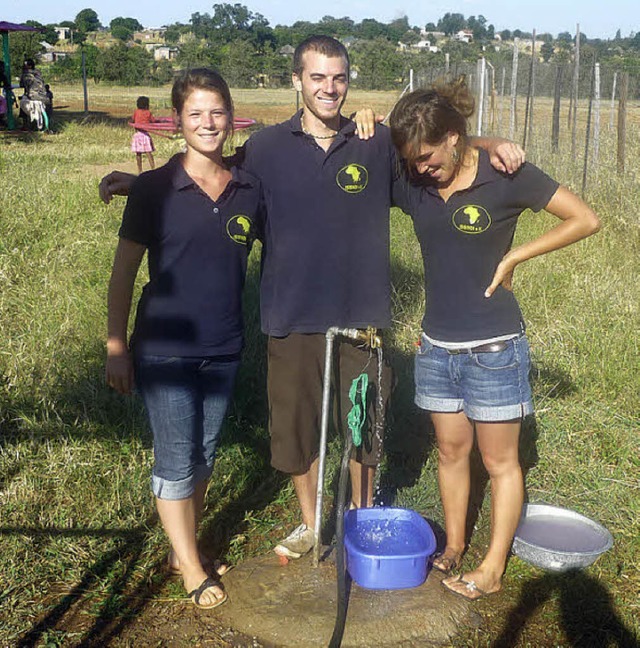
x=239 y=229
x=352 y=178
x=471 y=219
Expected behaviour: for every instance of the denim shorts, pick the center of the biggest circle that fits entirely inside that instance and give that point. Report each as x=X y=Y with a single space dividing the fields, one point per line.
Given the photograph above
x=485 y=386
x=186 y=401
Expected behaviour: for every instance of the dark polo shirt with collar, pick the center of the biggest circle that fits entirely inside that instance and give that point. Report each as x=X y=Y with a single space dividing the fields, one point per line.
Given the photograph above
x=197 y=255
x=464 y=240
x=326 y=241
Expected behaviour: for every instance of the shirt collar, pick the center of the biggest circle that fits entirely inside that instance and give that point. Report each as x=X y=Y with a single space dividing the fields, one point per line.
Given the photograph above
x=347 y=128
x=486 y=173
x=181 y=179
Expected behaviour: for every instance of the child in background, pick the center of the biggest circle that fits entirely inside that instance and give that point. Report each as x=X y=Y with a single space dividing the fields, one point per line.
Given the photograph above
x=48 y=106
x=141 y=141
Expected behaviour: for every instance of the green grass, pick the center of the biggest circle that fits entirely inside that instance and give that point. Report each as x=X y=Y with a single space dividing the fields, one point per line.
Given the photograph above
x=81 y=551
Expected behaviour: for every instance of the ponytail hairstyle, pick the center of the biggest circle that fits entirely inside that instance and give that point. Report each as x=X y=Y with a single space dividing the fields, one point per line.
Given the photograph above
x=426 y=116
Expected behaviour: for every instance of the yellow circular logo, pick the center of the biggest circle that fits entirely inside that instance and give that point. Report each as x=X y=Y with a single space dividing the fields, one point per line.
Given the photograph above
x=352 y=178
x=471 y=219
x=239 y=229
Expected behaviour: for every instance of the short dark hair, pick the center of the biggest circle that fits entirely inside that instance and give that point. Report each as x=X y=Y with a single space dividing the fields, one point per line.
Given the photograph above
x=201 y=79
x=142 y=103
x=325 y=45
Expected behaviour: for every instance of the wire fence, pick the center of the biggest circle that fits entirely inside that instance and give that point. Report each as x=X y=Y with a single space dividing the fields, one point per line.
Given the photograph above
x=571 y=104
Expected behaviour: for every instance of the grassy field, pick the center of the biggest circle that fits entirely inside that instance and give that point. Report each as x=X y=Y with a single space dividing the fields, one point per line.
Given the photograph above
x=81 y=551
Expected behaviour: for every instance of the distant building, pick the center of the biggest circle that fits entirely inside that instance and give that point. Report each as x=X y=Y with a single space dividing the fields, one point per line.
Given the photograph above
x=165 y=53
x=464 y=36
x=150 y=35
x=51 y=54
x=64 y=33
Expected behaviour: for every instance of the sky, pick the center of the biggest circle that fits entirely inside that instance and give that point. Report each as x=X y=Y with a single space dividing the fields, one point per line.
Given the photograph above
x=597 y=18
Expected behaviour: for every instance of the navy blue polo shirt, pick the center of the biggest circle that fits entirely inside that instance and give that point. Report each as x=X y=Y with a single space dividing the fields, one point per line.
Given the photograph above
x=326 y=242
x=464 y=240
x=197 y=255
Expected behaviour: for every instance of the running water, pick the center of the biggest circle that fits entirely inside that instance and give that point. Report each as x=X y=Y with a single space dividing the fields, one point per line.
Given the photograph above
x=379 y=426
x=386 y=538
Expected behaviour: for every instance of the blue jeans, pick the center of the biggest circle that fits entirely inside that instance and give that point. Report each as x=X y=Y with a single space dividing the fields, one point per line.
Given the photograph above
x=186 y=400
x=486 y=386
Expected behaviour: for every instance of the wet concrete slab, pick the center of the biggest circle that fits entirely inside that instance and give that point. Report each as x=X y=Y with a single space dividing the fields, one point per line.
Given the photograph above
x=294 y=606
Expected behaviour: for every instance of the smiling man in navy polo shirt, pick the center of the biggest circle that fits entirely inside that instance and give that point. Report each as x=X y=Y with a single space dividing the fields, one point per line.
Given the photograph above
x=325 y=263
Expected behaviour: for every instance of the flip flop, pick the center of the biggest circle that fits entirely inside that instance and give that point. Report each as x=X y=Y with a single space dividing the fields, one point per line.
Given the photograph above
x=470 y=587
x=447 y=563
x=204 y=586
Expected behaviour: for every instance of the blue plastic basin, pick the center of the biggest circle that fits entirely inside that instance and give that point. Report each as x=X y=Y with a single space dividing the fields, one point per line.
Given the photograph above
x=387 y=548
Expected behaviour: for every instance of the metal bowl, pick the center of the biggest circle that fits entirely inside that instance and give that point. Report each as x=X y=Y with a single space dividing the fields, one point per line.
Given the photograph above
x=558 y=539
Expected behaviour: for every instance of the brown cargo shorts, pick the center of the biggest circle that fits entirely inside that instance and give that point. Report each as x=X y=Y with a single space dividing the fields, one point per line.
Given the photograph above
x=294 y=386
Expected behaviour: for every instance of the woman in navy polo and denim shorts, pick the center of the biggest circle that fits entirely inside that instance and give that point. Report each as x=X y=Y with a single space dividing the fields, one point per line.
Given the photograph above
x=195 y=217
x=471 y=371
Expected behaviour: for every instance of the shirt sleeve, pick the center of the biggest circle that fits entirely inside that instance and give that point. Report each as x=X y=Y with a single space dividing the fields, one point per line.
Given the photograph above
x=137 y=219
x=533 y=187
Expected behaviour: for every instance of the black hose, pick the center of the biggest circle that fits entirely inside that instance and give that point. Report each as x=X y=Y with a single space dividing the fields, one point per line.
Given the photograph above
x=342 y=577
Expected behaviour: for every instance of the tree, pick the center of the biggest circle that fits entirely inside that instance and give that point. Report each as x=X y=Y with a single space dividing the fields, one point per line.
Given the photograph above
x=505 y=34
x=239 y=64
x=452 y=23
x=430 y=27
x=195 y=54
x=48 y=33
x=377 y=64
x=87 y=21
x=397 y=28
x=125 y=65
x=410 y=38
x=172 y=33
x=546 y=51
x=370 y=28
x=23 y=45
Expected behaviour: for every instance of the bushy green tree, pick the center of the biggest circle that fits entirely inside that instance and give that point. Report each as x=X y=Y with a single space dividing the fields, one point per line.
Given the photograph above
x=452 y=23
x=125 y=65
x=47 y=32
x=239 y=64
x=87 y=20
x=197 y=54
x=23 y=45
x=377 y=64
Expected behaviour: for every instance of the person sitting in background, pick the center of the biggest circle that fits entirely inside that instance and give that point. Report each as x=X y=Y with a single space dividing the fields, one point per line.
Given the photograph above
x=33 y=104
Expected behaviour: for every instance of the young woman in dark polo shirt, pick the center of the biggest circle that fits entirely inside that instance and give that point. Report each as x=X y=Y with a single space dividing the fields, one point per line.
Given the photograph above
x=471 y=370
x=195 y=218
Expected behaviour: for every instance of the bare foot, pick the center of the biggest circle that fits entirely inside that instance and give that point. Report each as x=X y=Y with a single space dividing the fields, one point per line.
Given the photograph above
x=217 y=566
x=448 y=560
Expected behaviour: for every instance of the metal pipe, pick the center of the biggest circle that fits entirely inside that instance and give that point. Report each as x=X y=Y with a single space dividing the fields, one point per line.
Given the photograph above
x=371 y=339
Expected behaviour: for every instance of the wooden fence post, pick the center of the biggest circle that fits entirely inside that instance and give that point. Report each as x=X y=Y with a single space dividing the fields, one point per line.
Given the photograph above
x=588 y=133
x=528 y=114
x=622 y=119
x=555 y=126
x=596 y=113
x=574 y=93
x=514 y=89
x=613 y=100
